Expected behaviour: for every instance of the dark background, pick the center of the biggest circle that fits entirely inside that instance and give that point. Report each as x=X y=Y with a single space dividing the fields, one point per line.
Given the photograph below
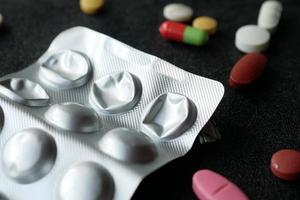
x=254 y=123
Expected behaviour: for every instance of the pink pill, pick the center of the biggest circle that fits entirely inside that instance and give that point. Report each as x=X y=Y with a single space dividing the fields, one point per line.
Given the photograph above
x=209 y=185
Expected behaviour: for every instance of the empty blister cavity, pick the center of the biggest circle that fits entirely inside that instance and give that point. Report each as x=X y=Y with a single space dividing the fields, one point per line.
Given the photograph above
x=66 y=69
x=24 y=91
x=168 y=116
x=86 y=181
x=29 y=155
x=116 y=93
x=73 y=117
x=129 y=145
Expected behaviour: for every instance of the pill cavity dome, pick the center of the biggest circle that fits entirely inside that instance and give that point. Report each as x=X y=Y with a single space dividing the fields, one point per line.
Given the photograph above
x=92 y=117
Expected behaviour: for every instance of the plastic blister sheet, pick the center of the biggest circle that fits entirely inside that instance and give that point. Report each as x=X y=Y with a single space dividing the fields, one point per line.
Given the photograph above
x=108 y=114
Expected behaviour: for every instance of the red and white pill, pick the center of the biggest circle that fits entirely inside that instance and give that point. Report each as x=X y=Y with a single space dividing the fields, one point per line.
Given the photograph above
x=209 y=185
x=285 y=164
x=247 y=69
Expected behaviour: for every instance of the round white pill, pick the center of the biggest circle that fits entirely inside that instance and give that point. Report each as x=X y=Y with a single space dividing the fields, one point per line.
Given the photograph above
x=178 y=12
x=269 y=15
x=252 y=38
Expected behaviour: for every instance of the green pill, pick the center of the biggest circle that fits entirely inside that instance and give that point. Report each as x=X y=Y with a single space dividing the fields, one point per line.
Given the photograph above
x=194 y=36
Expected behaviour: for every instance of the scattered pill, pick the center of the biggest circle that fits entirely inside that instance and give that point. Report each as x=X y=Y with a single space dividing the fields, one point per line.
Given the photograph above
x=91 y=6
x=209 y=185
x=252 y=38
x=183 y=33
x=269 y=15
x=178 y=12
x=285 y=164
x=205 y=23
x=247 y=69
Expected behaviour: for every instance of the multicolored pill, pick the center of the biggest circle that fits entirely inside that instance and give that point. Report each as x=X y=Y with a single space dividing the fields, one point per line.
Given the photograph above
x=183 y=33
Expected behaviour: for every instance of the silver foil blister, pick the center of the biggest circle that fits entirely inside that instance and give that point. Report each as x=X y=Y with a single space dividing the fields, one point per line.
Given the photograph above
x=92 y=117
x=168 y=116
x=116 y=93
x=24 y=91
x=98 y=183
x=73 y=117
x=132 y=145
x=29 y=155
x=65 y=69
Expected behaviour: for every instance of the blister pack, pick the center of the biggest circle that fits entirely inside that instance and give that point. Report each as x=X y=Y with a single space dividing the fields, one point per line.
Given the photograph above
x=92 y=117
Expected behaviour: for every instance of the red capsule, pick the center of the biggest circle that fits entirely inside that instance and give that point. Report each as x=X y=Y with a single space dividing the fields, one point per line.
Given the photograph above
x=285 y=164
x=247 y=69
x=172 y=30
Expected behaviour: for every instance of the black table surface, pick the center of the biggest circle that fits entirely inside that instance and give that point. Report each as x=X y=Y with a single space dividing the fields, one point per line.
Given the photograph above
x=254 y=122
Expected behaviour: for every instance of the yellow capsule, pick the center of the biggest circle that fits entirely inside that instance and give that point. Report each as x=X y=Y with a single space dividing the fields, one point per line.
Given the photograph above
x=91 y=6
x=205 y=23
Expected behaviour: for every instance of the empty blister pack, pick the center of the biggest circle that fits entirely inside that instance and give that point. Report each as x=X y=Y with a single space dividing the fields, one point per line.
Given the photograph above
x=92 y=117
